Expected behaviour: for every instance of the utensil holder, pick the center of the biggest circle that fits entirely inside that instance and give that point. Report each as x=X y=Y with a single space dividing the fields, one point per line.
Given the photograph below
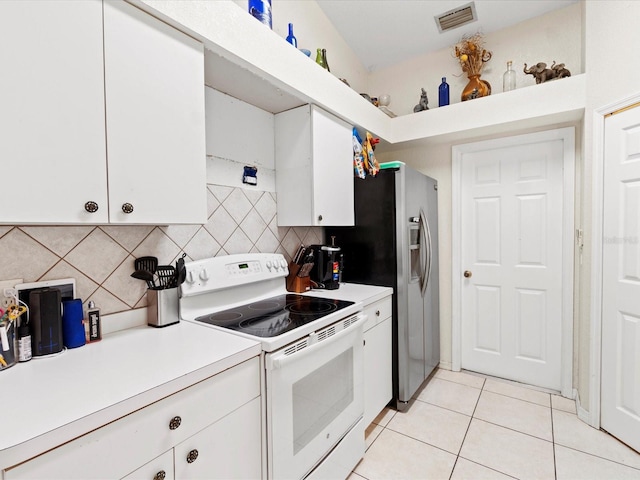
x=162 y=307
x=295 y=283
x=9 y=344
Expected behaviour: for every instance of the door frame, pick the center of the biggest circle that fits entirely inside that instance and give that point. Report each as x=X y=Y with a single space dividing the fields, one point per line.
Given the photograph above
x=592 y=417
x=567 y=134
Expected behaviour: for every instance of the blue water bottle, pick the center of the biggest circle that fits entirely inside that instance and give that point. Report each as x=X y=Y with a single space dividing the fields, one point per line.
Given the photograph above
x=443 y=93
x=261 y=9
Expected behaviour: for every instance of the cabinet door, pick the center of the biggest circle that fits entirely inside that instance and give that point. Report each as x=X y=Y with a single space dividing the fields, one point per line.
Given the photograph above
x=154 y=90
x=160 y=468
x=52 y=112
x=377 y=369
x=332 y=170
x=228 y=449
x=314 y=168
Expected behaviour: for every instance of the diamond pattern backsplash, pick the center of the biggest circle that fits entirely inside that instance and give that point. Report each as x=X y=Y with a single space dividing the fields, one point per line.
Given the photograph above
x=101 y=258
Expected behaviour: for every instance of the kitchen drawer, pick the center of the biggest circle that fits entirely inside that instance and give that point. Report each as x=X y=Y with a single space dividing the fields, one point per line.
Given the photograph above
x=377 y=312
x=160 y=468
x=122 y=446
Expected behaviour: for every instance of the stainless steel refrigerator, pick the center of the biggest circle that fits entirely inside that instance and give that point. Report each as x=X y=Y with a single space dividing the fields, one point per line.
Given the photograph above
x=395 y=244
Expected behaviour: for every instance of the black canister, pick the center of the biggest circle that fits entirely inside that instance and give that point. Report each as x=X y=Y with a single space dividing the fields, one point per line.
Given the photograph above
x=327 y=266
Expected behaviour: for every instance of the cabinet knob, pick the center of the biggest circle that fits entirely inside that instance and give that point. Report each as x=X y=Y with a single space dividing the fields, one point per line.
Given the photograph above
x=377 y=313
x=160 y=475
x=175 y=423
x=467 y=274
x=319 y=218
x=91 y=207
x=193 y=454
x=127 y=208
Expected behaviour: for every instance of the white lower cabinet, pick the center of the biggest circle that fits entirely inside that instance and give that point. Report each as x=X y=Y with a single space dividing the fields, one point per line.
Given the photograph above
x=160 y=468
x=377 y=359
x=208 y=417
x=228 y=449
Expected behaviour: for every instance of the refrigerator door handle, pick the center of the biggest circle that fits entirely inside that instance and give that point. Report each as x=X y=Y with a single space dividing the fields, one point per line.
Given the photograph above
x=426 y=247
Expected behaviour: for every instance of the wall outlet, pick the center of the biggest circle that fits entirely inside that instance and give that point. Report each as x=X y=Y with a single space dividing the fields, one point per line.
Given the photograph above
x=4 y=300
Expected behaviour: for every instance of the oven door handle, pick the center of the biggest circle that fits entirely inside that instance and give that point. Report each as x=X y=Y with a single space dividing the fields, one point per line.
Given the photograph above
x=282 y=360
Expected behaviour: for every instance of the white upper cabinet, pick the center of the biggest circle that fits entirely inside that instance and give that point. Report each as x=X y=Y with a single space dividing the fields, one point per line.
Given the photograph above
x=120 y=131
x=314 y=168
x=52 y=112
x=154 y=90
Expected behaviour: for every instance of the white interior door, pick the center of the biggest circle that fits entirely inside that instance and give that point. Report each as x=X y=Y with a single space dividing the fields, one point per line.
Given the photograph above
x=620 y=392
x=511 y=242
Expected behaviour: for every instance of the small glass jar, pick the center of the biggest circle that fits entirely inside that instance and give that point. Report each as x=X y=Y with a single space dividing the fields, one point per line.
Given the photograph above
x=509 y=79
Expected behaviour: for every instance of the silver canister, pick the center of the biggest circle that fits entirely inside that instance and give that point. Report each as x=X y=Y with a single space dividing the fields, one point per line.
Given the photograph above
x=162 y=307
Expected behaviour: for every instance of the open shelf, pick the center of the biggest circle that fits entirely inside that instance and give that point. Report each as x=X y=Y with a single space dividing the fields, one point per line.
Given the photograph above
x=250 y=62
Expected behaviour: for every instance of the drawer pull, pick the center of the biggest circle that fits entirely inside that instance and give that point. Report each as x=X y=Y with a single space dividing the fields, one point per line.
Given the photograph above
x=127 y=208
x=193 y=454
x=160 y=475
x=377 y=313
x=91 y=207
x=175 y=423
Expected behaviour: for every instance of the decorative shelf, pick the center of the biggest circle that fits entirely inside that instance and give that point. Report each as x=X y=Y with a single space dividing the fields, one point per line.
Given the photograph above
x=248 y=61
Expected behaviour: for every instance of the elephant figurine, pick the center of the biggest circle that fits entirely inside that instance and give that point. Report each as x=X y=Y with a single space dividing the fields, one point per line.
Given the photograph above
x=424 y=102
x=560 y=70
x=540 y=72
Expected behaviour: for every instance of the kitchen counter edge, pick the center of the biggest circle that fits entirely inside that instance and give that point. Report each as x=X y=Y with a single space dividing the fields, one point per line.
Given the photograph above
x=64 y=397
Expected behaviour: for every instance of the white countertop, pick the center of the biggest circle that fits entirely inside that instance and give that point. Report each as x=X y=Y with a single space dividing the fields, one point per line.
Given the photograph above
x=354 y=292
x=58 y=398
x=48 y=401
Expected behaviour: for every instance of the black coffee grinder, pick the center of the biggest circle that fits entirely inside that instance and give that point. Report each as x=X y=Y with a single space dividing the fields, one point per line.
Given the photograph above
x=327 y=266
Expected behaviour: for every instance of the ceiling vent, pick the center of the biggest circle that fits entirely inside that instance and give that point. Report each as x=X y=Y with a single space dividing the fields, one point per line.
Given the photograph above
x=457 y=17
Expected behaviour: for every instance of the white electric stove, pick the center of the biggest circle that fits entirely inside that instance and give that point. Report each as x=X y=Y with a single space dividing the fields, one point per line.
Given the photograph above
x=312 y=358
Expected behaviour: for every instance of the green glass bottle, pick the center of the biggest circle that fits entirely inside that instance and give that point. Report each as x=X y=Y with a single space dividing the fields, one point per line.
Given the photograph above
x=320 y=58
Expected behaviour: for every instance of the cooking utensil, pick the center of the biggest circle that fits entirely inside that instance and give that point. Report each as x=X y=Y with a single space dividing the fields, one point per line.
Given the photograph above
x=144 y=275
x=181 y=271
x=146 y=263
x=299 y=254
x=305 y=269
x=166 y=276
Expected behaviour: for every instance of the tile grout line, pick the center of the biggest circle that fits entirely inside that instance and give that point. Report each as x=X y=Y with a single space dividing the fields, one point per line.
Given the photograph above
x=553 y=443
x=599 y=457
x=521 y=399
x=468 y=427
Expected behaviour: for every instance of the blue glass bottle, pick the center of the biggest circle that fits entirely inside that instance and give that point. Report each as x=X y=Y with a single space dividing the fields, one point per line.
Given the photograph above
x=291 y=38
x=443 y=93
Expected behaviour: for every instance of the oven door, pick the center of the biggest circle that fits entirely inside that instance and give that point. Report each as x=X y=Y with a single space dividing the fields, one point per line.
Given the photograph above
x=314 y=397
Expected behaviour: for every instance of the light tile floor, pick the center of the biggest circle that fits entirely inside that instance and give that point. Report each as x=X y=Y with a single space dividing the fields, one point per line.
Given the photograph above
x=466 y=426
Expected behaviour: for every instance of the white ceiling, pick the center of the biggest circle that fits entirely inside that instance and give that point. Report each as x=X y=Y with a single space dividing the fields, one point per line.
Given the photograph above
x=386 y=32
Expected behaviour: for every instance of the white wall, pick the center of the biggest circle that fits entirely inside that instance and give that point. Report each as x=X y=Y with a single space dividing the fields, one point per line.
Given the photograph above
x=612 y=33
x=238 y=135
x=554 y=36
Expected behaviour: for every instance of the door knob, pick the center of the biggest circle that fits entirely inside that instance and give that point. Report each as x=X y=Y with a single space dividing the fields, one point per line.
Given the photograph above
x=467 y=274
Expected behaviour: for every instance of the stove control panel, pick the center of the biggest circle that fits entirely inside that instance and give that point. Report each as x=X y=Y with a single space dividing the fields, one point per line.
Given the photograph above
x=218 y=273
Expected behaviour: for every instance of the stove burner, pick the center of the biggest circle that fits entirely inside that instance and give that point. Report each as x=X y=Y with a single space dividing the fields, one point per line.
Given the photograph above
x=274 y=316
x=225 y=316
x=306 y=307
x=266 y=326
x=266 y=305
